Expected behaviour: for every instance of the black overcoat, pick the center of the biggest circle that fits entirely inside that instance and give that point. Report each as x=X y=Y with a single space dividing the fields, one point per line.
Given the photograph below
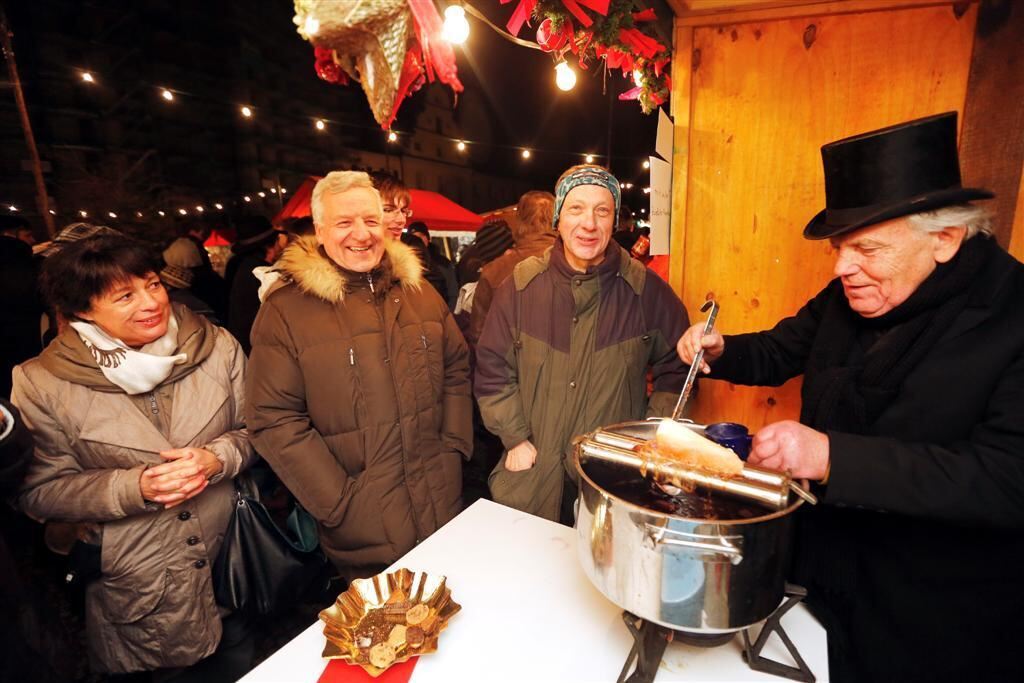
x=915 y=560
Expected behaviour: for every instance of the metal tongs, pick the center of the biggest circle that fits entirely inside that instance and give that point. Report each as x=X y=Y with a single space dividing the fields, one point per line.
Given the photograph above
x=691 y=376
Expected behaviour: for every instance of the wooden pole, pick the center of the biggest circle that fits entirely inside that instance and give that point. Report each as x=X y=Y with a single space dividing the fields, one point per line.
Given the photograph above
x=26 y=126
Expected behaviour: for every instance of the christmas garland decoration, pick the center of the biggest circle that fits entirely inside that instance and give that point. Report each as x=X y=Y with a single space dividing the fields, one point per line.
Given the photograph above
x=611 y=31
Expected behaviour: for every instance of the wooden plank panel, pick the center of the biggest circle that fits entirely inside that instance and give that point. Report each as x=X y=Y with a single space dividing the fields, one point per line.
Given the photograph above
x=681 y=102
x=766 y=97
x=994 y=116
x=1017 y=234
x=743 y=12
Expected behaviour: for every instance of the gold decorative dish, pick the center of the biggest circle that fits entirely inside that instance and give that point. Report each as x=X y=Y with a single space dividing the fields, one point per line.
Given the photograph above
x=387 y=619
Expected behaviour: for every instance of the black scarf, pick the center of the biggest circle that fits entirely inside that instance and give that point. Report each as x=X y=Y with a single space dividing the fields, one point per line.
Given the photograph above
x=846 y=389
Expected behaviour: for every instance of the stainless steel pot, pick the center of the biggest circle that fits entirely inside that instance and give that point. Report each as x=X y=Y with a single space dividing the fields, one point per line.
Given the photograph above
x=685 y=572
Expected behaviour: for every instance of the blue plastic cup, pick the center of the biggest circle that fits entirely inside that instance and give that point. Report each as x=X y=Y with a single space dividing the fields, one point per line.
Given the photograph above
x=732 y=435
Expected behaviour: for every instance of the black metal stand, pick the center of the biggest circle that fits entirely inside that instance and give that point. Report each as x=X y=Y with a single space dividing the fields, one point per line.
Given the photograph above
x=752 y=653
x=649 y=643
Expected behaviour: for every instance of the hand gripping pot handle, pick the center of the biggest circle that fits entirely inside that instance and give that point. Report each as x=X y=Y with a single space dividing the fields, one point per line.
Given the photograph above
x=706 y=548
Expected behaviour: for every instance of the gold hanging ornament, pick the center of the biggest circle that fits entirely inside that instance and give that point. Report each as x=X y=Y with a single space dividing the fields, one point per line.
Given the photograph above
x=386 y=45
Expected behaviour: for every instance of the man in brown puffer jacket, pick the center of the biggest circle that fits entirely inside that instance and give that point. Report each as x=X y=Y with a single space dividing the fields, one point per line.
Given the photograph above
x=358 y=389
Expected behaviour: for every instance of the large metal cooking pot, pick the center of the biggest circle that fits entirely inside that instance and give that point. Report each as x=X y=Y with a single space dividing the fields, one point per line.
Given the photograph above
x=683 y=571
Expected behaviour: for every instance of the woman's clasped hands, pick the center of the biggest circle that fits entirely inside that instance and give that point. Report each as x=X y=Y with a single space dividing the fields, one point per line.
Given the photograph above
x=185 y=475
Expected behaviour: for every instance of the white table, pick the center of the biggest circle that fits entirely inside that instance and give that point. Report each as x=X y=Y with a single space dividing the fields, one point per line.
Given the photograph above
x=529 y=613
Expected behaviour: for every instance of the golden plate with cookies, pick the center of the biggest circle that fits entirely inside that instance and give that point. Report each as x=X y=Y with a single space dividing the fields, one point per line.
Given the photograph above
x=387 y=619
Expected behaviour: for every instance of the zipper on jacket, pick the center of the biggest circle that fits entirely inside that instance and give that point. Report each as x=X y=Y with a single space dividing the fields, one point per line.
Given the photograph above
x=423 y=339
x=351 y=357
x=369 y=281
x=152 y=404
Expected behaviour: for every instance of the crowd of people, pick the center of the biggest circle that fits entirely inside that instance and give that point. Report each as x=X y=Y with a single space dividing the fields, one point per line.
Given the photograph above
x=376 y=378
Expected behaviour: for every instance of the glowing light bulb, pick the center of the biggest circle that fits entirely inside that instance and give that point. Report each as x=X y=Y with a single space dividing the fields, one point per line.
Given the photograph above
x=219 y=206
x=647 y=164
x=200 y=209
x=320 y=125
x=88 y=77
x=183 y=212
x=262 y=193
x=161 y=213
x=112 y=214
x=167 y=95
x=138 y=214
x=456 y=28
x=12 y=208
x=83 y=213
x=526 y=154
x=461 y=146
x=247 y=198
x=392 y=136
x=246 y=112
x=311 y=26
x=52 y=212
x=565 y=77
x=589 y=158
x=283 y=190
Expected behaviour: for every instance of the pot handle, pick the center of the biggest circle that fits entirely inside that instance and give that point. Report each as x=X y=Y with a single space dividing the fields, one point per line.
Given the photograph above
x=709 y=548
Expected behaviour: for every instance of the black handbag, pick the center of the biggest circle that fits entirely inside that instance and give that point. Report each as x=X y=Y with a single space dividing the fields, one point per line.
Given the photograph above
x=260 y=568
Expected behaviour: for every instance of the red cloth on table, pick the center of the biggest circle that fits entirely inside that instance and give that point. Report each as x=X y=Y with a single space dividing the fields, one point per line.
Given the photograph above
x=340 y=671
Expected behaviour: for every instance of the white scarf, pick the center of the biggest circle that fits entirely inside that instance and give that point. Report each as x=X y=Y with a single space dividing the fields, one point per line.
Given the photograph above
x=137 y=372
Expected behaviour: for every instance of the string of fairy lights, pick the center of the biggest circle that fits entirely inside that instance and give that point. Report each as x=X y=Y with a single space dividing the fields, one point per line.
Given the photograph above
x=321 y=124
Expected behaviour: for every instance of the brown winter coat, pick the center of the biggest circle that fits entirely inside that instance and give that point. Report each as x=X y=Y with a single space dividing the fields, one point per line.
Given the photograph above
x=360 y=401
x=153 y=606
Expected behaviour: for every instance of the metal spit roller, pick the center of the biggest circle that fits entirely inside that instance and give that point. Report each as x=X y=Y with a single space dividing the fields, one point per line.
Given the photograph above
x=767 y=487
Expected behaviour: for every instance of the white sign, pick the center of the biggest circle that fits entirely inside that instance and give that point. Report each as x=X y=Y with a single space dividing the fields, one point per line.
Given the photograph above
x=661 y=205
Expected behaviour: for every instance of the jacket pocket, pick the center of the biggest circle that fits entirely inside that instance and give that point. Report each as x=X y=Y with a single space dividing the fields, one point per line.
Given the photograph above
x=634 y=354
x=129 y=598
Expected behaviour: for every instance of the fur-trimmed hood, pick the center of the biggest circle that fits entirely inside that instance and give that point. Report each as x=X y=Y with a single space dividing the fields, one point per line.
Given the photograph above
x=305 y=264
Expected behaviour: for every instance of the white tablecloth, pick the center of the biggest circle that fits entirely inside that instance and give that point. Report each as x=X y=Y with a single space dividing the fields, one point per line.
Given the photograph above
x=529 y=613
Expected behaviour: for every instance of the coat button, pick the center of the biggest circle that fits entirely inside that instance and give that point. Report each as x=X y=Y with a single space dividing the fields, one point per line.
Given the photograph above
x=387 y=361
x=578 y=282
x=575 y=318
x=199 y=564
x=192 y=540
x=572 y=385
x=184 y=515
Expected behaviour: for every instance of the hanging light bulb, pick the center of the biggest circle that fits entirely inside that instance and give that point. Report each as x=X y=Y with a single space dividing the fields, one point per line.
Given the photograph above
x=456 y=28
x=161 y=213
x=52 y=212
x=273 y=190
x=200 y=209
x=283 y=190
x=112 y=214
x=392 y=136
x=247 y=112
x=183 y=211
x=247 y=198
x=138 y=214
x=83 y=213
x=320 y=125
x=12 y=208
x=261 y=193
x=565 y=77
x=461 y=146
x=526 y=154
x=647 y=164
x=88 y=77
x=589 y=158
x=220 y=207
x=167 y=95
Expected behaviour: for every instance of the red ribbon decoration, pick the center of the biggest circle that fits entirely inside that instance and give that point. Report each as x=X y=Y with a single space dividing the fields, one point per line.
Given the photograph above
x=645 y=46
x=647 y=15
x=525 y=9
x=438 y=56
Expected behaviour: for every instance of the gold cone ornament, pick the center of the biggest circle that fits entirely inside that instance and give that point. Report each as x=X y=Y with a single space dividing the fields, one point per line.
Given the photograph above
x=386 y=45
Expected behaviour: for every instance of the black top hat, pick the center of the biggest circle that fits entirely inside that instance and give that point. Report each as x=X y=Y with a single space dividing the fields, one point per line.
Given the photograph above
x=888 y=173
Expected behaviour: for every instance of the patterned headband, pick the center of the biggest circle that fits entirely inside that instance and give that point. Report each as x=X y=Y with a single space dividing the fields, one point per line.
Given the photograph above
x=588 y=175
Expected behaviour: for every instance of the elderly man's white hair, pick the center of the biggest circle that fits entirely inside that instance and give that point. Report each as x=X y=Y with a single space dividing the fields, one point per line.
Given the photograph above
x=337 y=182
x=974 y=218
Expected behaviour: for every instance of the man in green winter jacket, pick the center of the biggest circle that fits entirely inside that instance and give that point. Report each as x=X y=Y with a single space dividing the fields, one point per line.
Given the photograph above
x=567 y=344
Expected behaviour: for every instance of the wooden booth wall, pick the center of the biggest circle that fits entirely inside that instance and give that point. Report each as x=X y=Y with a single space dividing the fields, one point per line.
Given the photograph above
x=755 y=95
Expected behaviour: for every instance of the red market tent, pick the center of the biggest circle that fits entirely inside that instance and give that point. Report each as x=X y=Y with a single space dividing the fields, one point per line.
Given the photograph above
x=442 y=216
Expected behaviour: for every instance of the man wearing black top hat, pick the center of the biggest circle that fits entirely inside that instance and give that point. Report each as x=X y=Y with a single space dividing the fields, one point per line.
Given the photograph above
x=912 y=418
